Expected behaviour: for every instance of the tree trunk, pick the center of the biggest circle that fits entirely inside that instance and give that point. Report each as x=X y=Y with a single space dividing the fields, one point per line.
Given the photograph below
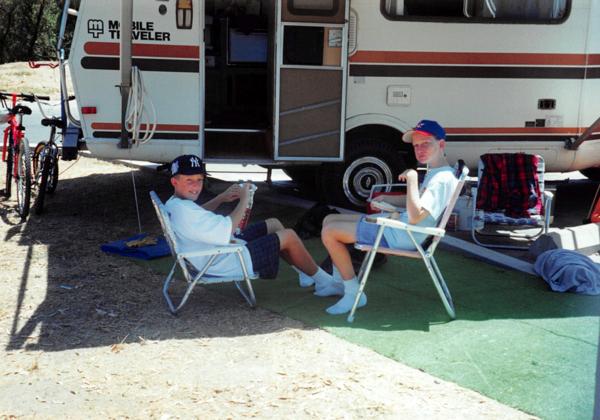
x=7 y=22
x=36 y=29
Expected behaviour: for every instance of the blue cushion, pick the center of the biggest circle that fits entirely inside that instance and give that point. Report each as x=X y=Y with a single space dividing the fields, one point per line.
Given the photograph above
x=146 y=252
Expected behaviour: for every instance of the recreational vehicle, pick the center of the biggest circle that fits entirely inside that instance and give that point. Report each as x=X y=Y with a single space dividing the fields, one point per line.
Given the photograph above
x=325 y=88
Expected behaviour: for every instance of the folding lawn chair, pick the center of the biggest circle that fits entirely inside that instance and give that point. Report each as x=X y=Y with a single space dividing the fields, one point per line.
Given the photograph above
x=527 y=173
x=197 y=275
x=424 y=251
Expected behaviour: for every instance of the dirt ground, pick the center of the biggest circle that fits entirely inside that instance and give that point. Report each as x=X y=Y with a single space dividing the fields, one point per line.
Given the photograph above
x=83 y=333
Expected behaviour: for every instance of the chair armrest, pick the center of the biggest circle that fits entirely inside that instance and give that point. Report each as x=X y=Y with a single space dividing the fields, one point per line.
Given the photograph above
x=375 y=187
x=223 y=249
x=397 y=224
x=385 y=206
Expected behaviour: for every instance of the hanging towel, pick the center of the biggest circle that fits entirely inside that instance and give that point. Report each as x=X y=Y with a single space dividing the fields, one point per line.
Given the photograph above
x=509 y=182
x=133 y=247
x=569 y=271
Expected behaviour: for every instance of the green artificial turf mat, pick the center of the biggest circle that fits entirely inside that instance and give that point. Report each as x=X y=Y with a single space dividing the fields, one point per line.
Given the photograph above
x=513 y=340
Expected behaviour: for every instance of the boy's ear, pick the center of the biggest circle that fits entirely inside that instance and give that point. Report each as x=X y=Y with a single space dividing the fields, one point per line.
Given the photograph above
x=173 y=181
x=442 y=144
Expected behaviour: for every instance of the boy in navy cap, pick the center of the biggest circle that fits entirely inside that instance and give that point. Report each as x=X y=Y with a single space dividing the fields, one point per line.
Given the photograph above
x=423 y=207
x=197 y=227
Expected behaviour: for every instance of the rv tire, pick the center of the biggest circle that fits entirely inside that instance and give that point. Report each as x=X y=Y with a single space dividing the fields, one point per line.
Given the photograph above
x=368 y=162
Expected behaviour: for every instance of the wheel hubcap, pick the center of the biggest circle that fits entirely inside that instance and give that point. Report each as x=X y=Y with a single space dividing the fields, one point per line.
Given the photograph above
x=361 y=175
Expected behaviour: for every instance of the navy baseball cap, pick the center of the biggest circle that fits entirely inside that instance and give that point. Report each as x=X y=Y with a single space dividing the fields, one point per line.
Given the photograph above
x=428 y=127
x=187 y=165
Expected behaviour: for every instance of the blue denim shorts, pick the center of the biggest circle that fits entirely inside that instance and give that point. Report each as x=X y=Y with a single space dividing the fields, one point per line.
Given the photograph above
x=263 y=249
x=367 y=232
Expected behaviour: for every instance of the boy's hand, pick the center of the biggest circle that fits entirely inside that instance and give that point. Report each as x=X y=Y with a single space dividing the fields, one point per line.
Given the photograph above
x=231 y=194
x=245 y=192
x=408 y=176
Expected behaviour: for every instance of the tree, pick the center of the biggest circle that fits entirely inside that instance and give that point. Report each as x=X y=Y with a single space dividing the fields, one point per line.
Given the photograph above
x=28 y=29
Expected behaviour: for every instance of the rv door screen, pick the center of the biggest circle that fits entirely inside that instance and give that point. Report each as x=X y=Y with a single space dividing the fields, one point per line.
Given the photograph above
x=310 y=83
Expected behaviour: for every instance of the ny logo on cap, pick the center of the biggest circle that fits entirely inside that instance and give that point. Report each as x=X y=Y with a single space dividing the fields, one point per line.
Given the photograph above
x=194 y=162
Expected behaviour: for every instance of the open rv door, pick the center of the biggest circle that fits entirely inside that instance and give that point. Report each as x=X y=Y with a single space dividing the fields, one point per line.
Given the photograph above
x=310 y=80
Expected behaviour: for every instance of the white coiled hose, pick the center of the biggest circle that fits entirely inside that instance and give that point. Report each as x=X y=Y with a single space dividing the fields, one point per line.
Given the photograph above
x=138 y=105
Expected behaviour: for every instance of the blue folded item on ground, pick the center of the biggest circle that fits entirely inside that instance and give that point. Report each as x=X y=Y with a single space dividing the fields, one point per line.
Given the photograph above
x=144 y=252
x=569 y=271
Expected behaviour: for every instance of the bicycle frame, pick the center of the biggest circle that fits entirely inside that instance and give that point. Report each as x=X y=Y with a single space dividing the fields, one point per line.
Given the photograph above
x=15 y=127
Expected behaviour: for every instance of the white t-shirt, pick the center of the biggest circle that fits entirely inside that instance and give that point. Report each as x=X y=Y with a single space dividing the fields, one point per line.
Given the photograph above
x=435 y=193
x=197 y=229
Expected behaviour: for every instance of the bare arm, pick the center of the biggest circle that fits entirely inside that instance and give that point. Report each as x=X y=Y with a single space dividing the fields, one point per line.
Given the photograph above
x=230 y=194
x=416 y=213
x=238 y=212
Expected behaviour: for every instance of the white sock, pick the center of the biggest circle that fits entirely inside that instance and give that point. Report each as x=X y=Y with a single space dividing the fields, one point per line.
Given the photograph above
x=337 y=277
x=304 y=279
x=328 y=285
x=345 y=304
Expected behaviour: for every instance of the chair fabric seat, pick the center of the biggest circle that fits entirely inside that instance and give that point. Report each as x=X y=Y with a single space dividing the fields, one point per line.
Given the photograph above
x=389 y=251
x=209 y=278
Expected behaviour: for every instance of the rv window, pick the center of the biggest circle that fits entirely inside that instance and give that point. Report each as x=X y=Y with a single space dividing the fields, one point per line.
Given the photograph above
x=247 y=48
x=505 y=11
x=313 y=7
x=303 y=45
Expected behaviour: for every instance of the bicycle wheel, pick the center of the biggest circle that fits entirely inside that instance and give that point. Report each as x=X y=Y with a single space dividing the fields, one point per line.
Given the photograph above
x=47 y=181
x=23 y=179
x=9 y=168
x=36 y=160
x=52 y=173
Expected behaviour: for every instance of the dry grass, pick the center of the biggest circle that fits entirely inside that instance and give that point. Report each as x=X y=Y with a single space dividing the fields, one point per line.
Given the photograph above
x=18 y=77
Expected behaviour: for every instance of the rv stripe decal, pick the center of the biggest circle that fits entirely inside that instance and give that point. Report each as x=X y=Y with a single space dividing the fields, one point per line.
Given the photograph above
x=515 y=130
x=509 y=138
x=157 y=135
x=160 y=127
x=474 y=72
x=148 y=64
x=479 y=58
x=144 y=50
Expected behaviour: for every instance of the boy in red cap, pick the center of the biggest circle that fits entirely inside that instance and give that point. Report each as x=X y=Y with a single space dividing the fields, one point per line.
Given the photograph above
x=423 y=207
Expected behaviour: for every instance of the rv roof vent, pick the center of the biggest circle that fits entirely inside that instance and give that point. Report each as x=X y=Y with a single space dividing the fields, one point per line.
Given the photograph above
x=352 y=28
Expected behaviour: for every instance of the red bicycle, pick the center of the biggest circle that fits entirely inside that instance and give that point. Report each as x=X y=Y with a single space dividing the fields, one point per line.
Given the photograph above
x=15 y=149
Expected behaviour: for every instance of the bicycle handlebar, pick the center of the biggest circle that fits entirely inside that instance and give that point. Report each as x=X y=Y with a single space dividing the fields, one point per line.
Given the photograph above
x=23 y=96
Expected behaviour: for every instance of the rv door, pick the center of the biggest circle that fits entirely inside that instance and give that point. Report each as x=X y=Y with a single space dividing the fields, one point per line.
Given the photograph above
x=310 y=80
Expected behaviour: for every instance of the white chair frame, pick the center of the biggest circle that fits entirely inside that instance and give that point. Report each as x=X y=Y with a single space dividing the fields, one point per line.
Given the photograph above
x=194 y=275
x=477 y=215
x=426 y=252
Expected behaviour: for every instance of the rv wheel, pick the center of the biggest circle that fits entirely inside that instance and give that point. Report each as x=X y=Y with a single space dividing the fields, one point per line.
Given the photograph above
x=591 y=173
x=368 y=162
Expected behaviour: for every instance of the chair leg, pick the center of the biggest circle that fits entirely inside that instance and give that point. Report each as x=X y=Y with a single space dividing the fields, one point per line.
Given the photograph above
x=188 y=291
x=166 y=285
x=440 y=284
x=250 y=297
x=365 y=269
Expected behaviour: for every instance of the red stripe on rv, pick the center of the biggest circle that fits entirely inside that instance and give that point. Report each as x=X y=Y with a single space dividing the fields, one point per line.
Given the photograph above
x=430 y=57
x=513 y=130
x=160 y=127
x=144 y=50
